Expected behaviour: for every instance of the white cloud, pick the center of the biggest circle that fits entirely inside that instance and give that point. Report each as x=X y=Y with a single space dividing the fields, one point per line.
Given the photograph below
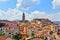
x=38 y=14
x=26 y=4
x=13 y=14
x=3 y=0
x=56 y=4
x=19 y=3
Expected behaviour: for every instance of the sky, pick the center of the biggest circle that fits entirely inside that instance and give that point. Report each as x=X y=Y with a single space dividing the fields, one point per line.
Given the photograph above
x=13 y=9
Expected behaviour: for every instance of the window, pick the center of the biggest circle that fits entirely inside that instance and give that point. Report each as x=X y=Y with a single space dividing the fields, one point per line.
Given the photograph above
x=46 y=38
x=2 y=24
x=9 y=33
x=59 y=30
x=1 y=29
x=59 y=36
x=7 y=25
x=11 y=24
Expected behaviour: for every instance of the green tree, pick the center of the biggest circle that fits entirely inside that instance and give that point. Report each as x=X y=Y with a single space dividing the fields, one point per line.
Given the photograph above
x=27 y=36
x=23 y=39
x=1 y=33
x=17 y=37
x=32 y=33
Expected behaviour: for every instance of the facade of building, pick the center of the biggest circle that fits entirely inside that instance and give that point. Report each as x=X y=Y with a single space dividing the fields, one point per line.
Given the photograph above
x=9 y=28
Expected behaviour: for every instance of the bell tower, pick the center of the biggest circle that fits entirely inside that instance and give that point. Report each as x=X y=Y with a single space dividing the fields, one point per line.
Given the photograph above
x=23 y=17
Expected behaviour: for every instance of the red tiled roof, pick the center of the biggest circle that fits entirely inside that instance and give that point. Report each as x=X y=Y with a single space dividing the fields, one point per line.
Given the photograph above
x=3 y=37
x=46 y=35
x=40 y=32
x=43 y=33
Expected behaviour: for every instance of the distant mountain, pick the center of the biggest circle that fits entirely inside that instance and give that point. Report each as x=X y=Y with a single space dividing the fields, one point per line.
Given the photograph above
x=56 y=22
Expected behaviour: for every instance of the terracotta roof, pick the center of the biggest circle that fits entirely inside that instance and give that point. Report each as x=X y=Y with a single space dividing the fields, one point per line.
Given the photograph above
x=46 y=35
x=35 y=38
x=43 y=33
x=9 y=38
x=40 y=32
x=22 y=33
x=3 y=37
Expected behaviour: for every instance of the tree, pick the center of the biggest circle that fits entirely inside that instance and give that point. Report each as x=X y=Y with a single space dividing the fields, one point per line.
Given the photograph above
x=1 y=33
x=32 y=33
x=27 y=36
x=23 y=39
x=17 y=37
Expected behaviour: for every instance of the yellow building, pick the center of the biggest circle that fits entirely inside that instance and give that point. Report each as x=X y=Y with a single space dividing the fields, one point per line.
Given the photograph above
x=48 y=27
x=20 y=25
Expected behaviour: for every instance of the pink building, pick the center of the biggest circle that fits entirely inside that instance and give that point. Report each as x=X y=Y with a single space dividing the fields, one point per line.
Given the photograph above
x=11 y=24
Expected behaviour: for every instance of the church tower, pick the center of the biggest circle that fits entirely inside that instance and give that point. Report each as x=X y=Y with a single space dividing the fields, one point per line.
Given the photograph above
x=23 y=17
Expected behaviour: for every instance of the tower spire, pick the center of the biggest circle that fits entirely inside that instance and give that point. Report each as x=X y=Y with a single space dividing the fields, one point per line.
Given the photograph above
x=23 y=17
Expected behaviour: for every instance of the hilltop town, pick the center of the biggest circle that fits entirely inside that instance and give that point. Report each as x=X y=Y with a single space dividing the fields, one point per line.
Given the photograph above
x=36 y=29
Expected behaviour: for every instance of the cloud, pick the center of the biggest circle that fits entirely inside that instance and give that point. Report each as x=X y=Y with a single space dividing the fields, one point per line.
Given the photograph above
x=13 y=14
x=3 y=0
x=56 y=4
x=19 y=3
x=26 y=4
x=38 y=14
